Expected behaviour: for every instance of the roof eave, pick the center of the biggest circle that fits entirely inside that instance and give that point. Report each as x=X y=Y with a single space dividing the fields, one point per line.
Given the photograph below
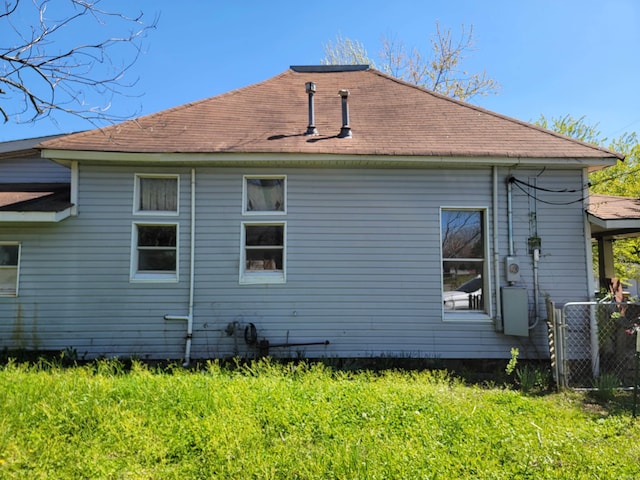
x=65 y=157
x=35 y=217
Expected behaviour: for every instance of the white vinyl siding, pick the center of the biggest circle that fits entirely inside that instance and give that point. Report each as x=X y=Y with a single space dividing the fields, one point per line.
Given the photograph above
x=33 y=169
x=363 y=266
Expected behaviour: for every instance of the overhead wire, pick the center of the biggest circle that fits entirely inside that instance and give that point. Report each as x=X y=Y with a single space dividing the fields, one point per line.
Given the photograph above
x=614 y=177
x=519 y=184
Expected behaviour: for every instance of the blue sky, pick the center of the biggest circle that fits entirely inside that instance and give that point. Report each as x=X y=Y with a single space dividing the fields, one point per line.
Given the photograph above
x=551 y=57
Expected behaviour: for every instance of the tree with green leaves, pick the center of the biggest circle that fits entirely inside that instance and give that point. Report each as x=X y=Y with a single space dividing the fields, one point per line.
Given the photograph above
x=621 y=179
x=440 y=69
x=68 y=56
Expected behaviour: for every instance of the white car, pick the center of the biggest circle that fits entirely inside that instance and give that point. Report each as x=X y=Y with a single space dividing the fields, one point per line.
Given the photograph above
x=467 y=296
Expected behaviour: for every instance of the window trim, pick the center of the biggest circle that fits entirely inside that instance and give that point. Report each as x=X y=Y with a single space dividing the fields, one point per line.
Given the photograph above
x=17 y=269
x=249 y=277
x=152 y=277
x=137 y=192
x=473 y=315
x=263 y=212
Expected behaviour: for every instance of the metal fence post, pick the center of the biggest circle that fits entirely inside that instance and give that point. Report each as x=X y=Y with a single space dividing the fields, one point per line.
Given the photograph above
x=593 y=336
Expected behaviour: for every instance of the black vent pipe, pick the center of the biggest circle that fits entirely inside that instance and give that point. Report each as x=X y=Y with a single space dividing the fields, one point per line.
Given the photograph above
x=311 y=89
x=345 y=131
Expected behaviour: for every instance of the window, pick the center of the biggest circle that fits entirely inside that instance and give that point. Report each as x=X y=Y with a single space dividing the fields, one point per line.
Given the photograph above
x=463 y=260
x=156 y=195
x=264 y=195
x=263 y=253
x=9 y=261
x=154 y=254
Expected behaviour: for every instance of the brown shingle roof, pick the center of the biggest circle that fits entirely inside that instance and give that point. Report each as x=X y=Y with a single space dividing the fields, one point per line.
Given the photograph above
x=387 y=117
x=610 y=207
x=34 y=197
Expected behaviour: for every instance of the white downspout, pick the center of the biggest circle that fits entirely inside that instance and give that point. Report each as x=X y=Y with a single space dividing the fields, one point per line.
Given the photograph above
x=496 y=253
x=593 y=322
x=192 y=262
x=75 y=176
x=189 y=316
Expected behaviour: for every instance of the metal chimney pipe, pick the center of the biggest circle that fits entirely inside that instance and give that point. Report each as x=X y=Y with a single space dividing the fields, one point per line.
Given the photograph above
x=311 y=89
x=345 y=131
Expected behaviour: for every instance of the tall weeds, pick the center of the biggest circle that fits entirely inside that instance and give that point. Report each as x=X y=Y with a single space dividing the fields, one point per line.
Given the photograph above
x=271 y=421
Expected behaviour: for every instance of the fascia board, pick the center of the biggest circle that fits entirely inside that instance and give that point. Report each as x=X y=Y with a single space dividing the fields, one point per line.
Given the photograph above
x=617 y=224
x=302 y=159
x=35 y=217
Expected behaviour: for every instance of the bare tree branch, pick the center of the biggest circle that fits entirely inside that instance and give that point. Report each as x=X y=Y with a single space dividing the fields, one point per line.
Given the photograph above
x=45 y=68
x=439 y=70
x=345 y=52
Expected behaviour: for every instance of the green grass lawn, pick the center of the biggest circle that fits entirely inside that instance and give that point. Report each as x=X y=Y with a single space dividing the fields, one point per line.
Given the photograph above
x=298 y=421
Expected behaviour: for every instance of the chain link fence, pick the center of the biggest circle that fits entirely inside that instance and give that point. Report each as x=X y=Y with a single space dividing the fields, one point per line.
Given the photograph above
x=593 y=343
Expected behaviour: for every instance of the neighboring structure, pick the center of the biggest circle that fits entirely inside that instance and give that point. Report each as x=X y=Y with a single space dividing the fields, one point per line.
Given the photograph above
x=612 y=218
x=326 y=212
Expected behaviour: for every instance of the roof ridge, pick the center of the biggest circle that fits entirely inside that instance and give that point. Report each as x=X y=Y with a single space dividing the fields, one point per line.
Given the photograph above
x=330 y=68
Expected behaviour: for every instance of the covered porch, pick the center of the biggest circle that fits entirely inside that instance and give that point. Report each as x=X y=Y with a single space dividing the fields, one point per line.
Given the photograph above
x=612 y=218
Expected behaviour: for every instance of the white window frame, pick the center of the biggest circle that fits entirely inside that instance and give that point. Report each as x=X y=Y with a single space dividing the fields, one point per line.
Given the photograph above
x=137 y=193
x=13 y=293
x=263 y=212
x=153 y=276
x=470 y=315
x=249 y=277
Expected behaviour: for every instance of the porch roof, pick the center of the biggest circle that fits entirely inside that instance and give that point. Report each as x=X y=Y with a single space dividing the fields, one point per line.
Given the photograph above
x=34 y=202
x=614 y=216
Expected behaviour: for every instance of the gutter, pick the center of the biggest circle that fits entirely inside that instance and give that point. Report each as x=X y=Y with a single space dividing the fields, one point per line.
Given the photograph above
x=292 y=158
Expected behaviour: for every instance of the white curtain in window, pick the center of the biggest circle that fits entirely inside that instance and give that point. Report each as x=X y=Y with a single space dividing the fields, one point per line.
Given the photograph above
x=264 y=197
x=8 y=269
x=159 y=194
x=8 y=280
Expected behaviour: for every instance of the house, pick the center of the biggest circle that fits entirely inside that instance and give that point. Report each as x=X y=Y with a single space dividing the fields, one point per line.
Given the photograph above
x=330 y=211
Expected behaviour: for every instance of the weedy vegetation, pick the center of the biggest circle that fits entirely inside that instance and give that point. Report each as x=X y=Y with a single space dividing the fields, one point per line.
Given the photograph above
x=267 y=420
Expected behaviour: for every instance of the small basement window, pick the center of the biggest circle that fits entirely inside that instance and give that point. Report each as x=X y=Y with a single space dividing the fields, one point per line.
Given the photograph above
x=154 y=255
x=9 y=266
x=263 y=255
x=156 y=195
x=264 y=195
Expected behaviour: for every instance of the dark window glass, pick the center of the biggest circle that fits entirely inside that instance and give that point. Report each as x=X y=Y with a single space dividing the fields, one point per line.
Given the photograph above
x=9 y=255
x=264 y=247
x=259 y=235
x=157 y=248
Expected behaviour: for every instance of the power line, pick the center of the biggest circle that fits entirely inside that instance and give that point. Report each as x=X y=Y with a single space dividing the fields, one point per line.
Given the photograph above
x=614 y=177
x=519 y=184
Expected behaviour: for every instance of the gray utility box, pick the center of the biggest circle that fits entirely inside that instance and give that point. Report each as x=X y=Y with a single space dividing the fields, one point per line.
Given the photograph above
x=515 y=311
